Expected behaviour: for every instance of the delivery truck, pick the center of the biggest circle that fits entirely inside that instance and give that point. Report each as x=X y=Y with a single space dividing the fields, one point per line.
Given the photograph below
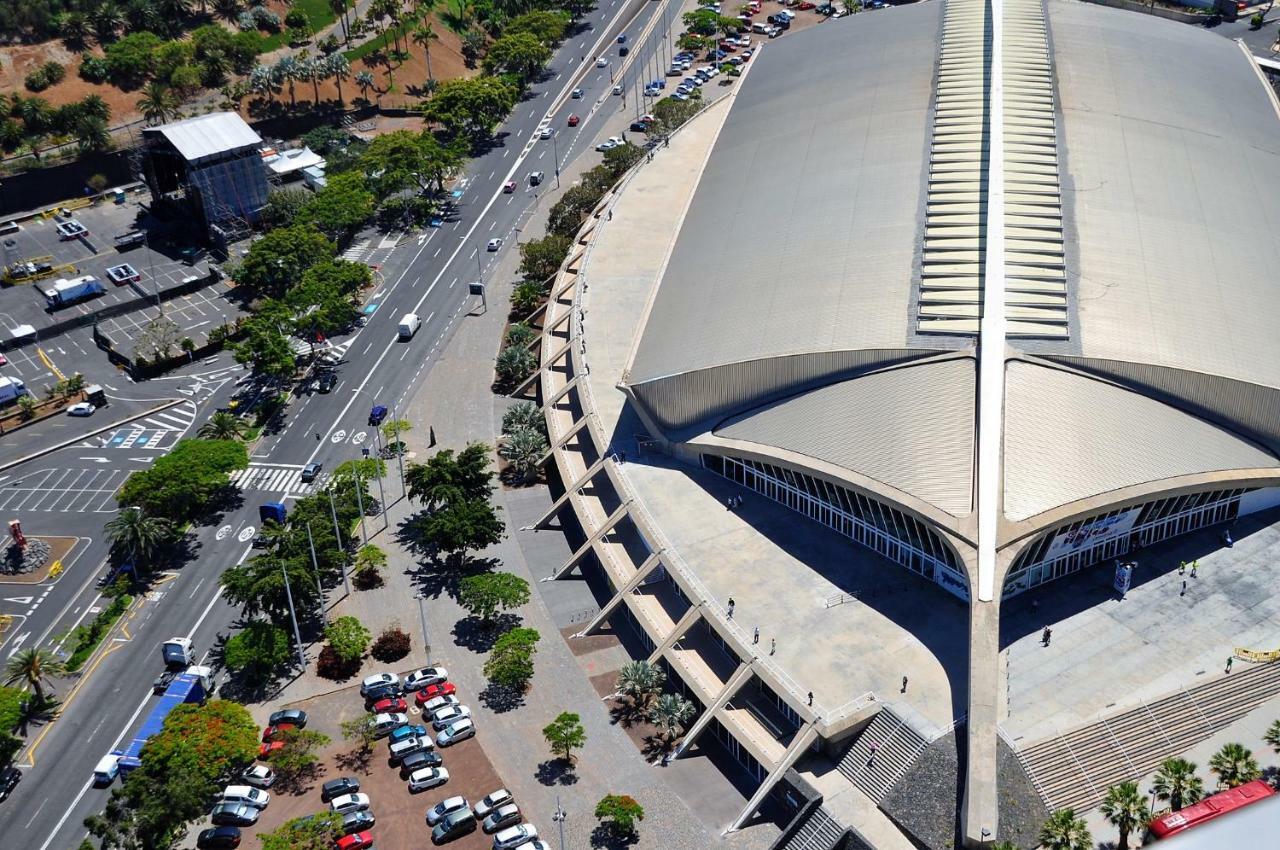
x=189 y=687
x=11 y=389
x=70 y=290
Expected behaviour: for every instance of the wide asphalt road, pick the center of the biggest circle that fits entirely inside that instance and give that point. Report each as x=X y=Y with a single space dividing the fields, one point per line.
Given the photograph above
x=428 y=275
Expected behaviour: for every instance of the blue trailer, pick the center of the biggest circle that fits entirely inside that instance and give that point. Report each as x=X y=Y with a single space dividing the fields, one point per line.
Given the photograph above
x=186 y=687
x=272 y=511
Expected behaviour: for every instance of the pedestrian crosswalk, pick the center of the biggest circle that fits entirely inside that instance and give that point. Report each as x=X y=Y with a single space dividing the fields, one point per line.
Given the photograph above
x=356 y=252
x=177 y=418
x=275 y=478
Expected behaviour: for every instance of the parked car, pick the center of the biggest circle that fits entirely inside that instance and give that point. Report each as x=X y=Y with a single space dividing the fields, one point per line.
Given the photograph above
x=271 y=733
x=357 y=821
x=448 y=715
x=218 y=838
x=338 y=787
x=425 y=678
x=446 y=806
x=573 y=120
x=515 y=836
x=606 y=145
x=381 y=692
x=233 y=814
x=492 y=801
x=391 y=705
x=459 y=731
x=639 y=127
x=310 y=472
x=453 y=826
x=400 y=749
x=82 y=408
x=436 y=703
x=259 y=776
x=269 y=749
x=9 y=779
x=294 y=716
x=501 y=818
x=493 y=245
x=384 y=723
x=354 y=841
x=348 y=803
x=509 y=187
x=417 y=761
x=439 y=689
x=427 y=777
x=246 y=794
x=401 y=732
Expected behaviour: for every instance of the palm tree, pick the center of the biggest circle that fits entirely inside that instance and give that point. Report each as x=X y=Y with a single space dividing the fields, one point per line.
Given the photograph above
x=157 y=102
x=288 y=70
x=93 y=106
x=365 y=81
x=340 y=8
x=1064 y=831
x=310 y=68
x=339 y=69
x=74 y=29
x=228 y=10
x=262 y=81
x=92 y=134
x=523 y=448
x=1272 y=736
x=222 y=426
x=33 y=667
x=1235 y=765
x=670 y=714
x=1126 y=808
x=423 y=36
x=143 y=15
x=106 y=20
x=641 y=681
x=139 y=535
x=1176 y=781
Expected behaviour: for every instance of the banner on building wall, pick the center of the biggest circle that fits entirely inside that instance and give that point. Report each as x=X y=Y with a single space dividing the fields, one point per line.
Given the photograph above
x=1092 y=533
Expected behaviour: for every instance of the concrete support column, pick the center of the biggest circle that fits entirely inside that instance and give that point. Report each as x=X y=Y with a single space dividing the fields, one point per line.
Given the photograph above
x=979 y=815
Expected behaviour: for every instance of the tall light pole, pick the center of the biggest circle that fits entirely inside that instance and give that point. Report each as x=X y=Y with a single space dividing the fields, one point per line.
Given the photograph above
x=293 y=618
x=364 y=532
x=555 y=150
x=381 y=493
x=338 y=533
x=560 y=817
x=315 y=567
x=426 y=635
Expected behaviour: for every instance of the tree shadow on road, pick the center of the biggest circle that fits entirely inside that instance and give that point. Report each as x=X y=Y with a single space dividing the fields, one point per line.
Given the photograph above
x=474 y=634
x=360 y=759
x=500 y=699
x=556 y=771
x=608 y=838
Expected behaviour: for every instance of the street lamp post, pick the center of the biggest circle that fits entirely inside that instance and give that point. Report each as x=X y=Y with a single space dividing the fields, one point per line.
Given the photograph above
x=364 y=532
x=555 y=150
x=426 y=635
x=338 y=533
x=315 y=567
x=293 y=618
x=381 y=493
x=560 y=817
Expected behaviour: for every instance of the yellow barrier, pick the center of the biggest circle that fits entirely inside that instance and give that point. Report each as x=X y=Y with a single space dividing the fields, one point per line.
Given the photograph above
x=6 y=621
x=1256 y=656
x=56 y=569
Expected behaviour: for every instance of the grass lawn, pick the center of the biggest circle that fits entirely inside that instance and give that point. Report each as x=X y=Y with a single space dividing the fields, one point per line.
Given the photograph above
x=373 y=45
x=318 y=13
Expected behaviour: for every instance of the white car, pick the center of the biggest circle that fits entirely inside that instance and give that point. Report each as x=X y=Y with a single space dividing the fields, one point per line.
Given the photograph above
x=515 y=836
x=494 y=244
x=378 y=679
x=459 y=731
x=259 y=776
x=348 y=803
x=617 y=89
x=606 y=145
x=447 y=806
x=498 y=798
x=419 y=679
x=616 y=141
x=434 y=704
x=82 y=408
x=384 y=723
x=255 y=797
x=402 y=748
x=547 y=132
x=602 y=62
x=427 y=777
x=448 y=715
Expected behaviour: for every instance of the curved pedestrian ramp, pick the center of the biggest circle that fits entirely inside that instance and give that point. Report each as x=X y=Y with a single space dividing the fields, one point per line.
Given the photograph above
x=1075 y=768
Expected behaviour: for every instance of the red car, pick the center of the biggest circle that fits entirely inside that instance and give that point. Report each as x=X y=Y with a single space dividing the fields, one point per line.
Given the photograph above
x=443 y=689
x=805 y=6
x=266 y=751
x=390 y=705
x=509 y=187
x=269 y=734
x=355 y=841
x=573 y=121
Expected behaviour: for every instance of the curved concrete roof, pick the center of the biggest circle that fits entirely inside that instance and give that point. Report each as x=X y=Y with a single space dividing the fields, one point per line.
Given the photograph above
x=1068 y=437
x=910 y=428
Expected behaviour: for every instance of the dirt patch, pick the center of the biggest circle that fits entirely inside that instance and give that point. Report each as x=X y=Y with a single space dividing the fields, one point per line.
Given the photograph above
x=60 y=548
x=648 y=740
x=18 y=61
x=587 y=644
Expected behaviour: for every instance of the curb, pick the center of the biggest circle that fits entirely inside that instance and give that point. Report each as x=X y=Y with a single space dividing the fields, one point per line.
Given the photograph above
x=50 y=449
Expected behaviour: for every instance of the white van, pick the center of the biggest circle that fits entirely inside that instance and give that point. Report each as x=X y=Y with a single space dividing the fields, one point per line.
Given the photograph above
x=409 y=324
x=106 y=770
x=760 y=27
x=248 y=796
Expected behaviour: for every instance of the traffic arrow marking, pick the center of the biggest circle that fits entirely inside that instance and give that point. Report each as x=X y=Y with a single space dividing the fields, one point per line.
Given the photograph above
x=21 y=600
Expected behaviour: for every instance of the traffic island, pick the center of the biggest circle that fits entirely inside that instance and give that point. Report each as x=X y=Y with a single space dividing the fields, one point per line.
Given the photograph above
x=42 y=558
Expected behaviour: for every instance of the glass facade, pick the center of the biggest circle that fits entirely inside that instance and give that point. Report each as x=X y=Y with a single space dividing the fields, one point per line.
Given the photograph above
x=1083 y=543
x=895 y=535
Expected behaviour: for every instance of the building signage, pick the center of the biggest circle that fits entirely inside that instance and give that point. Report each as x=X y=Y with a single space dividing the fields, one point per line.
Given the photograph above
x=1092 y=533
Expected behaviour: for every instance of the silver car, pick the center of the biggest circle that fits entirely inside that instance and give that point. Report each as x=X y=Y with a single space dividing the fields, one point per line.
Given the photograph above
x=502 y=817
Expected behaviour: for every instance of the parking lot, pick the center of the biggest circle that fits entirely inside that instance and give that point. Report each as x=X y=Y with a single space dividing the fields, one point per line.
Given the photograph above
x=400 y=816
x=195 y=314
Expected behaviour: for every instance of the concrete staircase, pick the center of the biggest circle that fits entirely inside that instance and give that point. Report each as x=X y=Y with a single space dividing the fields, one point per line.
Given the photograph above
x=1075 y=768
x=819 y=832
x=897 y=745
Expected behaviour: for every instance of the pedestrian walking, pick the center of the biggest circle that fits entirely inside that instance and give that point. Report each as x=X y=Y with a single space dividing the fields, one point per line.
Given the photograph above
x=811 y=693
x=731 y=603
x=1195 y=565
x=728 y=503
x=1230 y=658
x=773 y=645
x=1182 y=567
x=432 y=432
x=1184 y=588
x=610 y=216
x=1046 y=635
x=904 y=684
x=756 y=639
x=317 y=436
x=871 y=760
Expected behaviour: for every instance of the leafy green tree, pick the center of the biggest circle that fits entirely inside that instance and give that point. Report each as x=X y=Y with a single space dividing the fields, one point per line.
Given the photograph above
x=619 y=814
x=278 y=260
x=211 y=742
x=222 y=425
x=565 y=734
x=258 y=585
x=284 y=206
x=485 y=594
x=266 y=348
x=567 y=213
x=1176 y=781
x=136 y=535
x=1126 y=808
x=1064 y=831
x=348 y=637
x=526 y=297
x=297 y=758
x=319 y=306
x=370 y=557
x=1235 y=765
x=514 y=364
x=34 y=668
x=510 y=662
x=641 y=681
x=181 y=484
x=470 y=107
x=546 y=25
x=340 y=207
x=258 y=649
x=622 y=157
x=312 y=832
x=521 y=54
x=670 y=714
x=130 y=59
x=1272 y=735
x=343 y=275
x=360 y=730
x=541 y=258
x=461 y=526
x=447 y=478
x=523 y=449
